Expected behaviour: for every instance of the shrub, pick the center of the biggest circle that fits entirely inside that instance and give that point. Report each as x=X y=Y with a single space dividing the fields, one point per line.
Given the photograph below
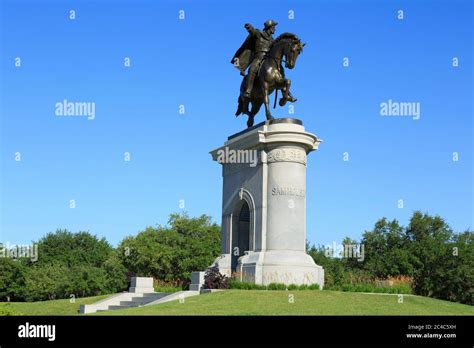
x=162 y=286
x=248 y=286
x=276 y=286
x=402 y=289
x=237 y=284
x=314 y=287
x=213 y=279
x=348 y=287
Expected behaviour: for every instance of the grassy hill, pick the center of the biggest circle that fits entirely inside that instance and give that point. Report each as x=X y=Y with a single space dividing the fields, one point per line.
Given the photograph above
x=255 y=302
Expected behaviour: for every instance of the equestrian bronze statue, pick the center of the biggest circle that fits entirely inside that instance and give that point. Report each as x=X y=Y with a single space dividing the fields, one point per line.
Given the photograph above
x=263 y=56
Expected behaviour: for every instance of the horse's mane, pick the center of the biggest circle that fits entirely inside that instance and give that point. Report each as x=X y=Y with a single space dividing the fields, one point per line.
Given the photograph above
x=286 y=36
x=278 y=42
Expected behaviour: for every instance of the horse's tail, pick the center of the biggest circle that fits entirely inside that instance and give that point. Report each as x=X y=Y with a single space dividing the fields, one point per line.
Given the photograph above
x=240 y=107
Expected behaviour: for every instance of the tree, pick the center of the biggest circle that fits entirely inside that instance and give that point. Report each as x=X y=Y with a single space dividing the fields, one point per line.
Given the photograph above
x=440 y=261
x=430 y=239
x=458 y=284
x=335 y=271
x=443 y=260
x=45 y=282
x=201 y=240
x=12 y=277
x=72 y=249
x=85 y=280
x=171 y=253
x=386 y=250
x=116 y=273
x=77 y=264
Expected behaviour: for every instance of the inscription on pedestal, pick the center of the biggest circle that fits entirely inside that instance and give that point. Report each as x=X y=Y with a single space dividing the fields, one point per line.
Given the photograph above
x=287 y=155
x=288 y=191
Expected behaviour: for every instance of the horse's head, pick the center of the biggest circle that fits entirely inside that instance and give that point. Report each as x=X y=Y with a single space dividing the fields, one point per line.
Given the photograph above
x=292 y=50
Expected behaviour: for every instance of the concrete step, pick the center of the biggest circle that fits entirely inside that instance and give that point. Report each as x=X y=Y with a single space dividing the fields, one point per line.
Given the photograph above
x=135 y=302
x=154 y=295
x=139 y=300
x=111 y=308
x=145 y=296
x=132 y=303
x=149 y=297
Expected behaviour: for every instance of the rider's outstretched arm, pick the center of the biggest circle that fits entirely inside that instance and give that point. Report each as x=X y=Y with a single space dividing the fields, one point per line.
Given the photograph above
x=251 y=29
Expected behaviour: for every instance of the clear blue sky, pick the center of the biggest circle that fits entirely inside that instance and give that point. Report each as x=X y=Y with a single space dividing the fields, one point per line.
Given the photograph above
x=186 y=62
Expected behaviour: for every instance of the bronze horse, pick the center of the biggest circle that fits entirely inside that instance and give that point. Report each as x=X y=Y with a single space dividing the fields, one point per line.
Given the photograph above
x=271 y=77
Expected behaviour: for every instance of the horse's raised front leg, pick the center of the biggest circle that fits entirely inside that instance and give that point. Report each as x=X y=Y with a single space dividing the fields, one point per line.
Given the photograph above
x=289 y=97
x=286 y=93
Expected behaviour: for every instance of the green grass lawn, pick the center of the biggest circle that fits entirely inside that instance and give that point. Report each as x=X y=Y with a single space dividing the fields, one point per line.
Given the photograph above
x=56 y=307
x=258 y=302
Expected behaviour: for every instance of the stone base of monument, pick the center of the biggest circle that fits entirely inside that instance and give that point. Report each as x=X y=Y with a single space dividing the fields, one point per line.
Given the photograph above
x=266 y=267
x=275 y=266
x=263 y=232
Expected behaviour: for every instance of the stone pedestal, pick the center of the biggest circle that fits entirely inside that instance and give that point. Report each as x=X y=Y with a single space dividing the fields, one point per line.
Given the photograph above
x=197 y=281
x=142 y=285
x=264 y=204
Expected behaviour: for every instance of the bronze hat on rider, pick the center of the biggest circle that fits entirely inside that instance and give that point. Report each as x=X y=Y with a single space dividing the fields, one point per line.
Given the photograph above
x=270 y=23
